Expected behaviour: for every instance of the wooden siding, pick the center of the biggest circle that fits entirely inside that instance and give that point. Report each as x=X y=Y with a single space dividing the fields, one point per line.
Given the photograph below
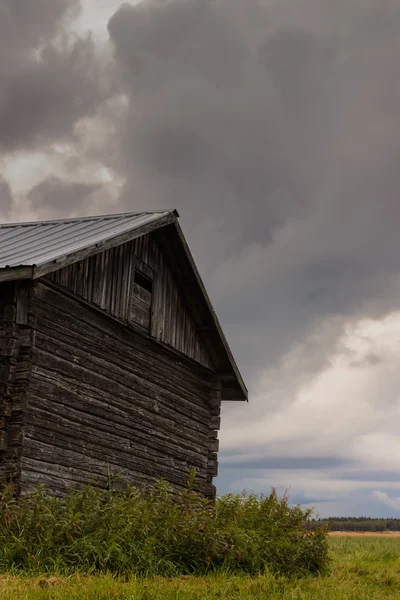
x=16 y=337
x=106 y=280
x=103 y=396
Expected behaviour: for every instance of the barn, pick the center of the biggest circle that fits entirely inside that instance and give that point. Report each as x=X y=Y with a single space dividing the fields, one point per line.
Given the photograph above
x=112 y=357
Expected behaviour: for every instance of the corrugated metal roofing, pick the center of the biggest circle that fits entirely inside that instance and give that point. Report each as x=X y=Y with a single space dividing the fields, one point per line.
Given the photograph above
x=41 y=242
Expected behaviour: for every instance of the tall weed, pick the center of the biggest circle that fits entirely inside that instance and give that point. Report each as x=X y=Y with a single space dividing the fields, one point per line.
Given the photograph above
x=156 y=532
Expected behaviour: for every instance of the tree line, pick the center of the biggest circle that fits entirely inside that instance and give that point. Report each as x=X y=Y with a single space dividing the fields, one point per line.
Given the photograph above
x=358 y=524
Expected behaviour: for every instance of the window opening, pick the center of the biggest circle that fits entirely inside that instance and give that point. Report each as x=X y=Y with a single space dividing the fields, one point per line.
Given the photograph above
x=141 y=302
x=143 y=281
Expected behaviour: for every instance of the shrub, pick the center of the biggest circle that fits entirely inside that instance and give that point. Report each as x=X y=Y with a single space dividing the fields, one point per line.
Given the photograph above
x=156 y=532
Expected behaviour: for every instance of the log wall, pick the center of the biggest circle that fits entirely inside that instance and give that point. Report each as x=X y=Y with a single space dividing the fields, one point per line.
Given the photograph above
x=103 y=396
x=16 y=338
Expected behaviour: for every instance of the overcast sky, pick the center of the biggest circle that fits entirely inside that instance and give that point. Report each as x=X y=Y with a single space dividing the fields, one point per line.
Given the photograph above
x=273 y=126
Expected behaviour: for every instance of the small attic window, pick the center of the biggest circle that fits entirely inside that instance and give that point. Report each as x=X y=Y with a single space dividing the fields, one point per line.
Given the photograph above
x=141 y=301
x=144 y=282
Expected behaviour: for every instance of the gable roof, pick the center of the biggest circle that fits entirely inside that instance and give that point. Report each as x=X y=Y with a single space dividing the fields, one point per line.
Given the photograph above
x=31 y=250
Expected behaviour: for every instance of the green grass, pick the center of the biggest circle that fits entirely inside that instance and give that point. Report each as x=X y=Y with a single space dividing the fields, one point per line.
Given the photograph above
x=362 y=569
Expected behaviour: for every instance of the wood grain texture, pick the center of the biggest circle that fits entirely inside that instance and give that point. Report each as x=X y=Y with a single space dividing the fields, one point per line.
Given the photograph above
x=16 y=337
x=102 y=395
x=107 y=281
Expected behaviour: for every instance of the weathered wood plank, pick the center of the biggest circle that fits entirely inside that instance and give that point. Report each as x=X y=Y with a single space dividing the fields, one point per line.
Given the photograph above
x=88 y=457
x=105 y=279
x=134 y=346
x=100 y=395
x=15 y=346
x=128 y=370
x=149 y=433
x=22 y=304
x=97 y=402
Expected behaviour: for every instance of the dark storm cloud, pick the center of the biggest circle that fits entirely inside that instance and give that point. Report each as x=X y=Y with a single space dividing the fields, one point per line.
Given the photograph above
x=48 y=80
x=206 y=120
x=54 y=193
x=6 y=198
x=274 y=129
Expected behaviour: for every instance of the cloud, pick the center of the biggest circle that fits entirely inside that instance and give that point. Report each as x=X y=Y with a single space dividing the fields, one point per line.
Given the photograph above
x=69 y=196
x=385 y=499
x=6 y=197
x=48 y=79
x=272 y=129
x=325 y=432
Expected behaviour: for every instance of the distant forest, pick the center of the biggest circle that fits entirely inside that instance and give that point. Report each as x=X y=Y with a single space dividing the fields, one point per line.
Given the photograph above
x=358 y=524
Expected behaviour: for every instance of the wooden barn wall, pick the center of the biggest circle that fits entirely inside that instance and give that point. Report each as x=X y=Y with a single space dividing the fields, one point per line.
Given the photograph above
x=103 y=396
x=106 y=280
x=16 y=336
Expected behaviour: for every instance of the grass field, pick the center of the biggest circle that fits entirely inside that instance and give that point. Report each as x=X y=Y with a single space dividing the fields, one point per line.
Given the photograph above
x=362 y=568
x=361 y=534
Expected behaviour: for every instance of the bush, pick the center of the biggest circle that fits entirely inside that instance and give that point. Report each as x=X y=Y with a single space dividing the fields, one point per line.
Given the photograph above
x=155 y=532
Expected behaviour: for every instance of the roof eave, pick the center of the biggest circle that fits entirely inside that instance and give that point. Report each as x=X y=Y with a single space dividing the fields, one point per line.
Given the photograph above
x=16 y=273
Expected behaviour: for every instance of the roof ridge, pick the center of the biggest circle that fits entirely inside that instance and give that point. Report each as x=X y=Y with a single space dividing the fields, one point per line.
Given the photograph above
x=89 y=218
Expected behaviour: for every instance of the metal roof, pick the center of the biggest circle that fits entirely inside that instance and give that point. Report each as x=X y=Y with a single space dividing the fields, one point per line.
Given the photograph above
x=41 y=242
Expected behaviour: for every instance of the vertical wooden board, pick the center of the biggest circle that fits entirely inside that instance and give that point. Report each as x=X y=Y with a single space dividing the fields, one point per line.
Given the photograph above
x=84 y=279
x=121 y=261
x=180 y=320
x=153 y=258
x=112 y=276
x=103 y=281
x=106 y=281
x=155 y=309
x=110 y=282
x=97 y=281
x=176 y=318
x=80 y=277
x=167 y=307
x=91 y=279
x=170 y=308
x=139 y=248
x=87 y=288
x=117 y=279
x=145 y=249
x=129 y=281
x=61 y=277
x=22 y=304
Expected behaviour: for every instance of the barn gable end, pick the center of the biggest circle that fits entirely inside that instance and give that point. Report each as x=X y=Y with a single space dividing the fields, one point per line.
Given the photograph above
x=111 y=355
x=135 y=283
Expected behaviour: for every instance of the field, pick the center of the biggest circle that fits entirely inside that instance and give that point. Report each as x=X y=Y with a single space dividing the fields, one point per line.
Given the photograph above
x=363 y=568
x=361 y=534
